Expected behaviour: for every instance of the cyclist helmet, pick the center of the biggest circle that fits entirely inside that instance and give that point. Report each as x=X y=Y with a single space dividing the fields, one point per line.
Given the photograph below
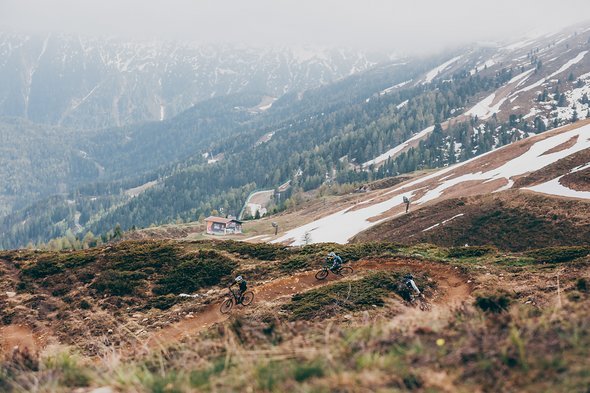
x=239 y=279
x=332 y=254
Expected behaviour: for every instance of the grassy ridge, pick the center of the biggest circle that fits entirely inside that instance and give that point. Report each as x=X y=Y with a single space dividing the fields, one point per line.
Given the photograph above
x=523 y=330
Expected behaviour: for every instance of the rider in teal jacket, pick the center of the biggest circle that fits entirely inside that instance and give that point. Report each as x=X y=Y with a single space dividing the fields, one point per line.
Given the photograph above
x=336 y=261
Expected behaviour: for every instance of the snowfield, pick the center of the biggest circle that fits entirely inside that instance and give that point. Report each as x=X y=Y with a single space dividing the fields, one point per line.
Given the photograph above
x=341 y=226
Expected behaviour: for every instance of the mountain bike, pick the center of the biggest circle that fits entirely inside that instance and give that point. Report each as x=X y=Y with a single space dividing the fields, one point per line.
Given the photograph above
x=245 y=299
x=342 y=271
x=420 y=302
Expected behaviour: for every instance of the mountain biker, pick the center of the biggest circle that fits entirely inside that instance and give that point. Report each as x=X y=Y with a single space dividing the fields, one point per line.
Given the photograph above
x=242 y=286
x=409 y=281
x=336 y=261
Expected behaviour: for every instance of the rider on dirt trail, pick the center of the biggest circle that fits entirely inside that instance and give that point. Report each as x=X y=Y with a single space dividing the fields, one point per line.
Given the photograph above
x=336 y=261
x=409 y=281
x=243 y=286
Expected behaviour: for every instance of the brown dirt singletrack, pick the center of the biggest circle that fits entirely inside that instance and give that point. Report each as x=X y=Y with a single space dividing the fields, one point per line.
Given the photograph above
x=453 y=289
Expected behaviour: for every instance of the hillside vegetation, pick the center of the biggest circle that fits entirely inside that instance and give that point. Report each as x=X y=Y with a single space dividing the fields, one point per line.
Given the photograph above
x=511 y=220
x=491 y=321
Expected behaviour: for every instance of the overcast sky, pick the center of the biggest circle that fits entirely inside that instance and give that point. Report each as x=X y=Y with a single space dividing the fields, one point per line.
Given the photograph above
x=408 y=25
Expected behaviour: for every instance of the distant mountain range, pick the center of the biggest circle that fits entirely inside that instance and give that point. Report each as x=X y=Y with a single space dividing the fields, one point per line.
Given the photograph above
x=93 y=83
x=369 y=120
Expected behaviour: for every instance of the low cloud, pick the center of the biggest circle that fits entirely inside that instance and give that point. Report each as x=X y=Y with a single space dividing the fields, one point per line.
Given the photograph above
x=415 y=26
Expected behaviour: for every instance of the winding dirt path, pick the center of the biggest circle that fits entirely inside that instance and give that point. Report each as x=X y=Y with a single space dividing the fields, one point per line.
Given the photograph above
x=17 y=336
x=453 y=290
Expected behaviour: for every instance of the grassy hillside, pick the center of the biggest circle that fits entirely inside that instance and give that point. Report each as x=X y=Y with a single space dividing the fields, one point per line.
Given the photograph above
x=489 y=321
x=512 y=220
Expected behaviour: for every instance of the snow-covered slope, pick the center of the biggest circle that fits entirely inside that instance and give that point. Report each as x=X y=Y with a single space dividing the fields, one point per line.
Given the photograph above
x=70 y=80
x=547 y=84
x=492 y=172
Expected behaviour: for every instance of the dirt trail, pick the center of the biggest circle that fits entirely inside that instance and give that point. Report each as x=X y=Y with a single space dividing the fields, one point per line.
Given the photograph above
x=453 y=289
x=20 y=336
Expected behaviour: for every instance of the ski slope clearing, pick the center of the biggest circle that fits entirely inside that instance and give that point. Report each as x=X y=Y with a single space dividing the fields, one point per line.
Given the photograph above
x=491 y=172
x=434 y=72
x=399 y=148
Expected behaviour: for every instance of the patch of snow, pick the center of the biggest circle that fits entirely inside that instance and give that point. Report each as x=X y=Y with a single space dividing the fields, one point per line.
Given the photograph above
x=434 y=72
x=530 y=161
x=554 y=187
x=483 y=66
x=443 y=223
x=563 y=68
x=133 y=192
x=452 y=218
x=253 y=238
x=570 y=63
x=432 y=227
x=519 y=44
x=390 y=89
x=339 y=227
x=484 y=109
x=392 y=152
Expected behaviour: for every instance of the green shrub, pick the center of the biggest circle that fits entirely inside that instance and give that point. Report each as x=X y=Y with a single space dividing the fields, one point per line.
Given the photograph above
x=470 y=252
x=494 y=303
x=199 y=378
x=162 y=302
x=43 y=268
x=350 y=252
x=558 y=254
x=203 y=269
x=133 y=256
x=119 y=283
x=582 y=285
x=294 y=263
x=53 y=263
x=306 y=371
x=269 y=375
x=261 y=251
x=350 y=295
x=84 y=305
x=68 y=370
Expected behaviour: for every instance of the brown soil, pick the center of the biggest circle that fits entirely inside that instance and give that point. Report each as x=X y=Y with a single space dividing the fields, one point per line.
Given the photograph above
x=566 y=145
x=165 y=232
x=579 y=181
x=560 y=168
x=511 y=220
x=17 y=336
x=453 y=287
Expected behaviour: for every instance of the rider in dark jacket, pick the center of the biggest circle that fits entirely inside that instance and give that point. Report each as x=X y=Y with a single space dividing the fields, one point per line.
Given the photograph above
x=242 y=286
x=336 y=261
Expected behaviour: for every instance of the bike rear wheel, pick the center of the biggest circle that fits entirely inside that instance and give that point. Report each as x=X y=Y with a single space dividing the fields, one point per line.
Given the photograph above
x=226 y=306
x=247 y=298
x=345 y=271
x=321 y=274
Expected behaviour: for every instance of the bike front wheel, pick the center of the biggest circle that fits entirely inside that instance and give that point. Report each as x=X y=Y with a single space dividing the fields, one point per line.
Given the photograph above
x=345 y=271
x=247 y=298
x=321 y=274
x=226 y=306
